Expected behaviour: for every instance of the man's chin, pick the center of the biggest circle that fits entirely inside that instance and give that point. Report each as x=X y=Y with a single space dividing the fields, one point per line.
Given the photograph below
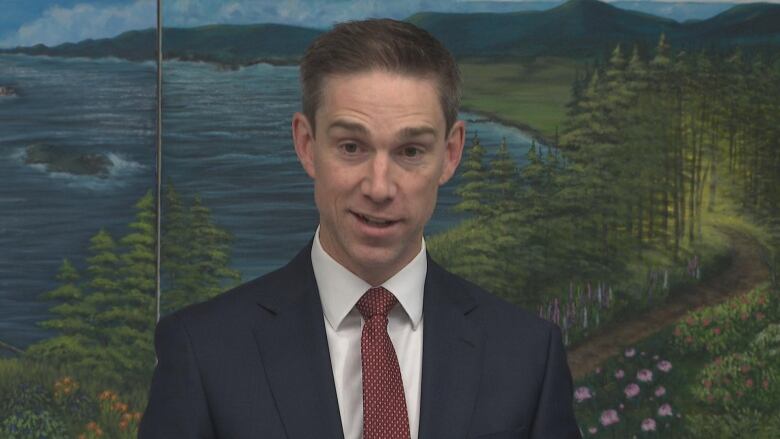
x=375 y=262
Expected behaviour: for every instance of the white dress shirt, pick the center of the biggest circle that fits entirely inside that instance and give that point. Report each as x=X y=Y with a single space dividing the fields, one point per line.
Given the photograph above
x=340 y=289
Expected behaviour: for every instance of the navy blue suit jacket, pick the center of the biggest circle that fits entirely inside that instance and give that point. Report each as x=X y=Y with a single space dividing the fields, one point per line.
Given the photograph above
x=254 y=363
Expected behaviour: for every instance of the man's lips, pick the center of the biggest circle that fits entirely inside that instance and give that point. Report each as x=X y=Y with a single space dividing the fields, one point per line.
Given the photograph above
x=375 y=221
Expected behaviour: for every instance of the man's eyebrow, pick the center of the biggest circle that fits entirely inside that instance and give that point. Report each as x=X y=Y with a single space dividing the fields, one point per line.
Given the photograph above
x=404 y=133
x=412 y=132
x=349 y=126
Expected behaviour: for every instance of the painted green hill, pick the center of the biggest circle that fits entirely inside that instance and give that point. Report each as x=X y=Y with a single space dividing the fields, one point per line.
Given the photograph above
x=575 y=29
x=223 y=44
x=234 y=44
x=589 y=27
x=756 y=21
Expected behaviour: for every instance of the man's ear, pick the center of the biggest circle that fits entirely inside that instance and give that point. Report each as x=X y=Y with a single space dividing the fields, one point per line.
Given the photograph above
x=303 y=138
x=453 y=151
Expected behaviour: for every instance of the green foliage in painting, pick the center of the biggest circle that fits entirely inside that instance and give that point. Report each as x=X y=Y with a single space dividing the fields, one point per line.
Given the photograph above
x=650 y=145
x=30 y=424
x=195 y=254
x=658 y=388
x=105 y=315
x=473 y=189
x=718 y=329
x=106 y=323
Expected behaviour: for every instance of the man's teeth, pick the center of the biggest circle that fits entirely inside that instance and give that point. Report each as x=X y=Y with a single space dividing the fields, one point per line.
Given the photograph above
x=375 y=222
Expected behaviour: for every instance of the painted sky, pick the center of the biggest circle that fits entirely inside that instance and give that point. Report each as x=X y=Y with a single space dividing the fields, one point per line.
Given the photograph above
x=51 y=22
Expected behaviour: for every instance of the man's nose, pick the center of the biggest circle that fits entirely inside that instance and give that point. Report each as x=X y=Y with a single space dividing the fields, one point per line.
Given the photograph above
x=379 y=184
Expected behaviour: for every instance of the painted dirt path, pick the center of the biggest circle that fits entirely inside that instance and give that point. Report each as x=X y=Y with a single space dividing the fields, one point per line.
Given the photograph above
x=745 y=272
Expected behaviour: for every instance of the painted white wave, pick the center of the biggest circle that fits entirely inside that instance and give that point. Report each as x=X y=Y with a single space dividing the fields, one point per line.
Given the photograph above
x=121 y=168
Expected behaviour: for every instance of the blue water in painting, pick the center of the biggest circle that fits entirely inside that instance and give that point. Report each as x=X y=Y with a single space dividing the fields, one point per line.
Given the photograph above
x=226 y=137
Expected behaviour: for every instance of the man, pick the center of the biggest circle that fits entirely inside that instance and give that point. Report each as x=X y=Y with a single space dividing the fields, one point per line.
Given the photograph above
x=362 y=334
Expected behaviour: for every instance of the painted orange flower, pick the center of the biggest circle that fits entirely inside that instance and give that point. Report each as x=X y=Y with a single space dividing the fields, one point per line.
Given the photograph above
x=107 y=395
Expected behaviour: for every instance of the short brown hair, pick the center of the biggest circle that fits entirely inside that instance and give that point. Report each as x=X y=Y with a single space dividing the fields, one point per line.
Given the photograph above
x=379 y=44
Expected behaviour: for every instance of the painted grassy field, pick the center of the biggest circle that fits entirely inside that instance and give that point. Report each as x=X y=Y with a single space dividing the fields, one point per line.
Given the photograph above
x=531 y=95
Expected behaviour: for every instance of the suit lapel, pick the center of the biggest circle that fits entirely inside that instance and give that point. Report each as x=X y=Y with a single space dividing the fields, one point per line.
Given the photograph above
x=294 y=349
x=452 y=360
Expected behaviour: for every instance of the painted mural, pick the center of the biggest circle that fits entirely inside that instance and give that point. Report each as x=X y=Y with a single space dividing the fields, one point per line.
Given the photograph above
x=620 y=179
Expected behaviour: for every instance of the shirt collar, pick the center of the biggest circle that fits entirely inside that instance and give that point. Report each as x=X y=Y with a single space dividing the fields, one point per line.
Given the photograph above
x=340 y=289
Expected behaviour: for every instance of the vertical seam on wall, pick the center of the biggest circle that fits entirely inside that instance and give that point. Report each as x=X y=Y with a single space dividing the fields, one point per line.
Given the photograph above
x=158 y=180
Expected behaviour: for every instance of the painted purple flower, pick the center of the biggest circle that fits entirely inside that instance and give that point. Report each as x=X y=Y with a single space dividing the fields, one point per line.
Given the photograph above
x=664 y=366
x=619 y=374
x=630 y=352
x=609 y=417
x=631 y=390
x=593 y=430
x=665 y=410
x=648 y=424
x=582 y=394
x=644 y=375
x=660 y=391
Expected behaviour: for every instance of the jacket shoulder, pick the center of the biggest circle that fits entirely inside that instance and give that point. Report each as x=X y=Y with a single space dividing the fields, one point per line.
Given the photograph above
x=238 y=305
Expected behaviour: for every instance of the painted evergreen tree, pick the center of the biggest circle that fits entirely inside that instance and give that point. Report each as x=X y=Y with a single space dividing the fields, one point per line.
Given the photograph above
x=503 y=181
x=176 y=236
x=197 y=255
x=472 y=191
x=128 y=322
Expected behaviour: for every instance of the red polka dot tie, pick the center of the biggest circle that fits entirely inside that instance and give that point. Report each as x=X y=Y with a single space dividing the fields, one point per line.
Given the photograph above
x=384 y=405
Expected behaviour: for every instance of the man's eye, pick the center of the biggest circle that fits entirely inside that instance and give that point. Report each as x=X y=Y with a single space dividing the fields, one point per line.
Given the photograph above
x=349 y=148
x=411 y=152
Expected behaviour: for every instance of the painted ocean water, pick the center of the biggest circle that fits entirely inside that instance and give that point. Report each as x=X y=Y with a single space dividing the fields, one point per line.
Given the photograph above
x=226 y=137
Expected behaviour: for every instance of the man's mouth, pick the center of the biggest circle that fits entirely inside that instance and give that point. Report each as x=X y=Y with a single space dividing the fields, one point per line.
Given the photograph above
x=374 y=221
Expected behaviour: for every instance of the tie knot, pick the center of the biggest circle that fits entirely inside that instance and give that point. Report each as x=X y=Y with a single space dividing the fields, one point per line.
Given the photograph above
x=376 y=301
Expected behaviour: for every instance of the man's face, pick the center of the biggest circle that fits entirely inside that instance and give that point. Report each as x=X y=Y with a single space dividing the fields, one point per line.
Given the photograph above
x=378 y=157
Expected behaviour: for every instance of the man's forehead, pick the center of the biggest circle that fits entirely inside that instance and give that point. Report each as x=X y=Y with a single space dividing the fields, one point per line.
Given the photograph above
x=356 y=127
x=362 y=90
x=378 y=77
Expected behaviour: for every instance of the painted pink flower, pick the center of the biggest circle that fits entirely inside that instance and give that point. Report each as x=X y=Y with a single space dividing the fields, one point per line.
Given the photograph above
x=660 y=391
x=648 y=424
x=664 y=366
x=631 y=390
x=619 y=374
x=582 y=394
x=630 y=352
x=665 y=410
x=644 y=375
x=609 y=417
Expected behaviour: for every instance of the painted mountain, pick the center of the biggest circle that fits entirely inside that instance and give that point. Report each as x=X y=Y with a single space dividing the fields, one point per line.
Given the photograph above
x=577 y=28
